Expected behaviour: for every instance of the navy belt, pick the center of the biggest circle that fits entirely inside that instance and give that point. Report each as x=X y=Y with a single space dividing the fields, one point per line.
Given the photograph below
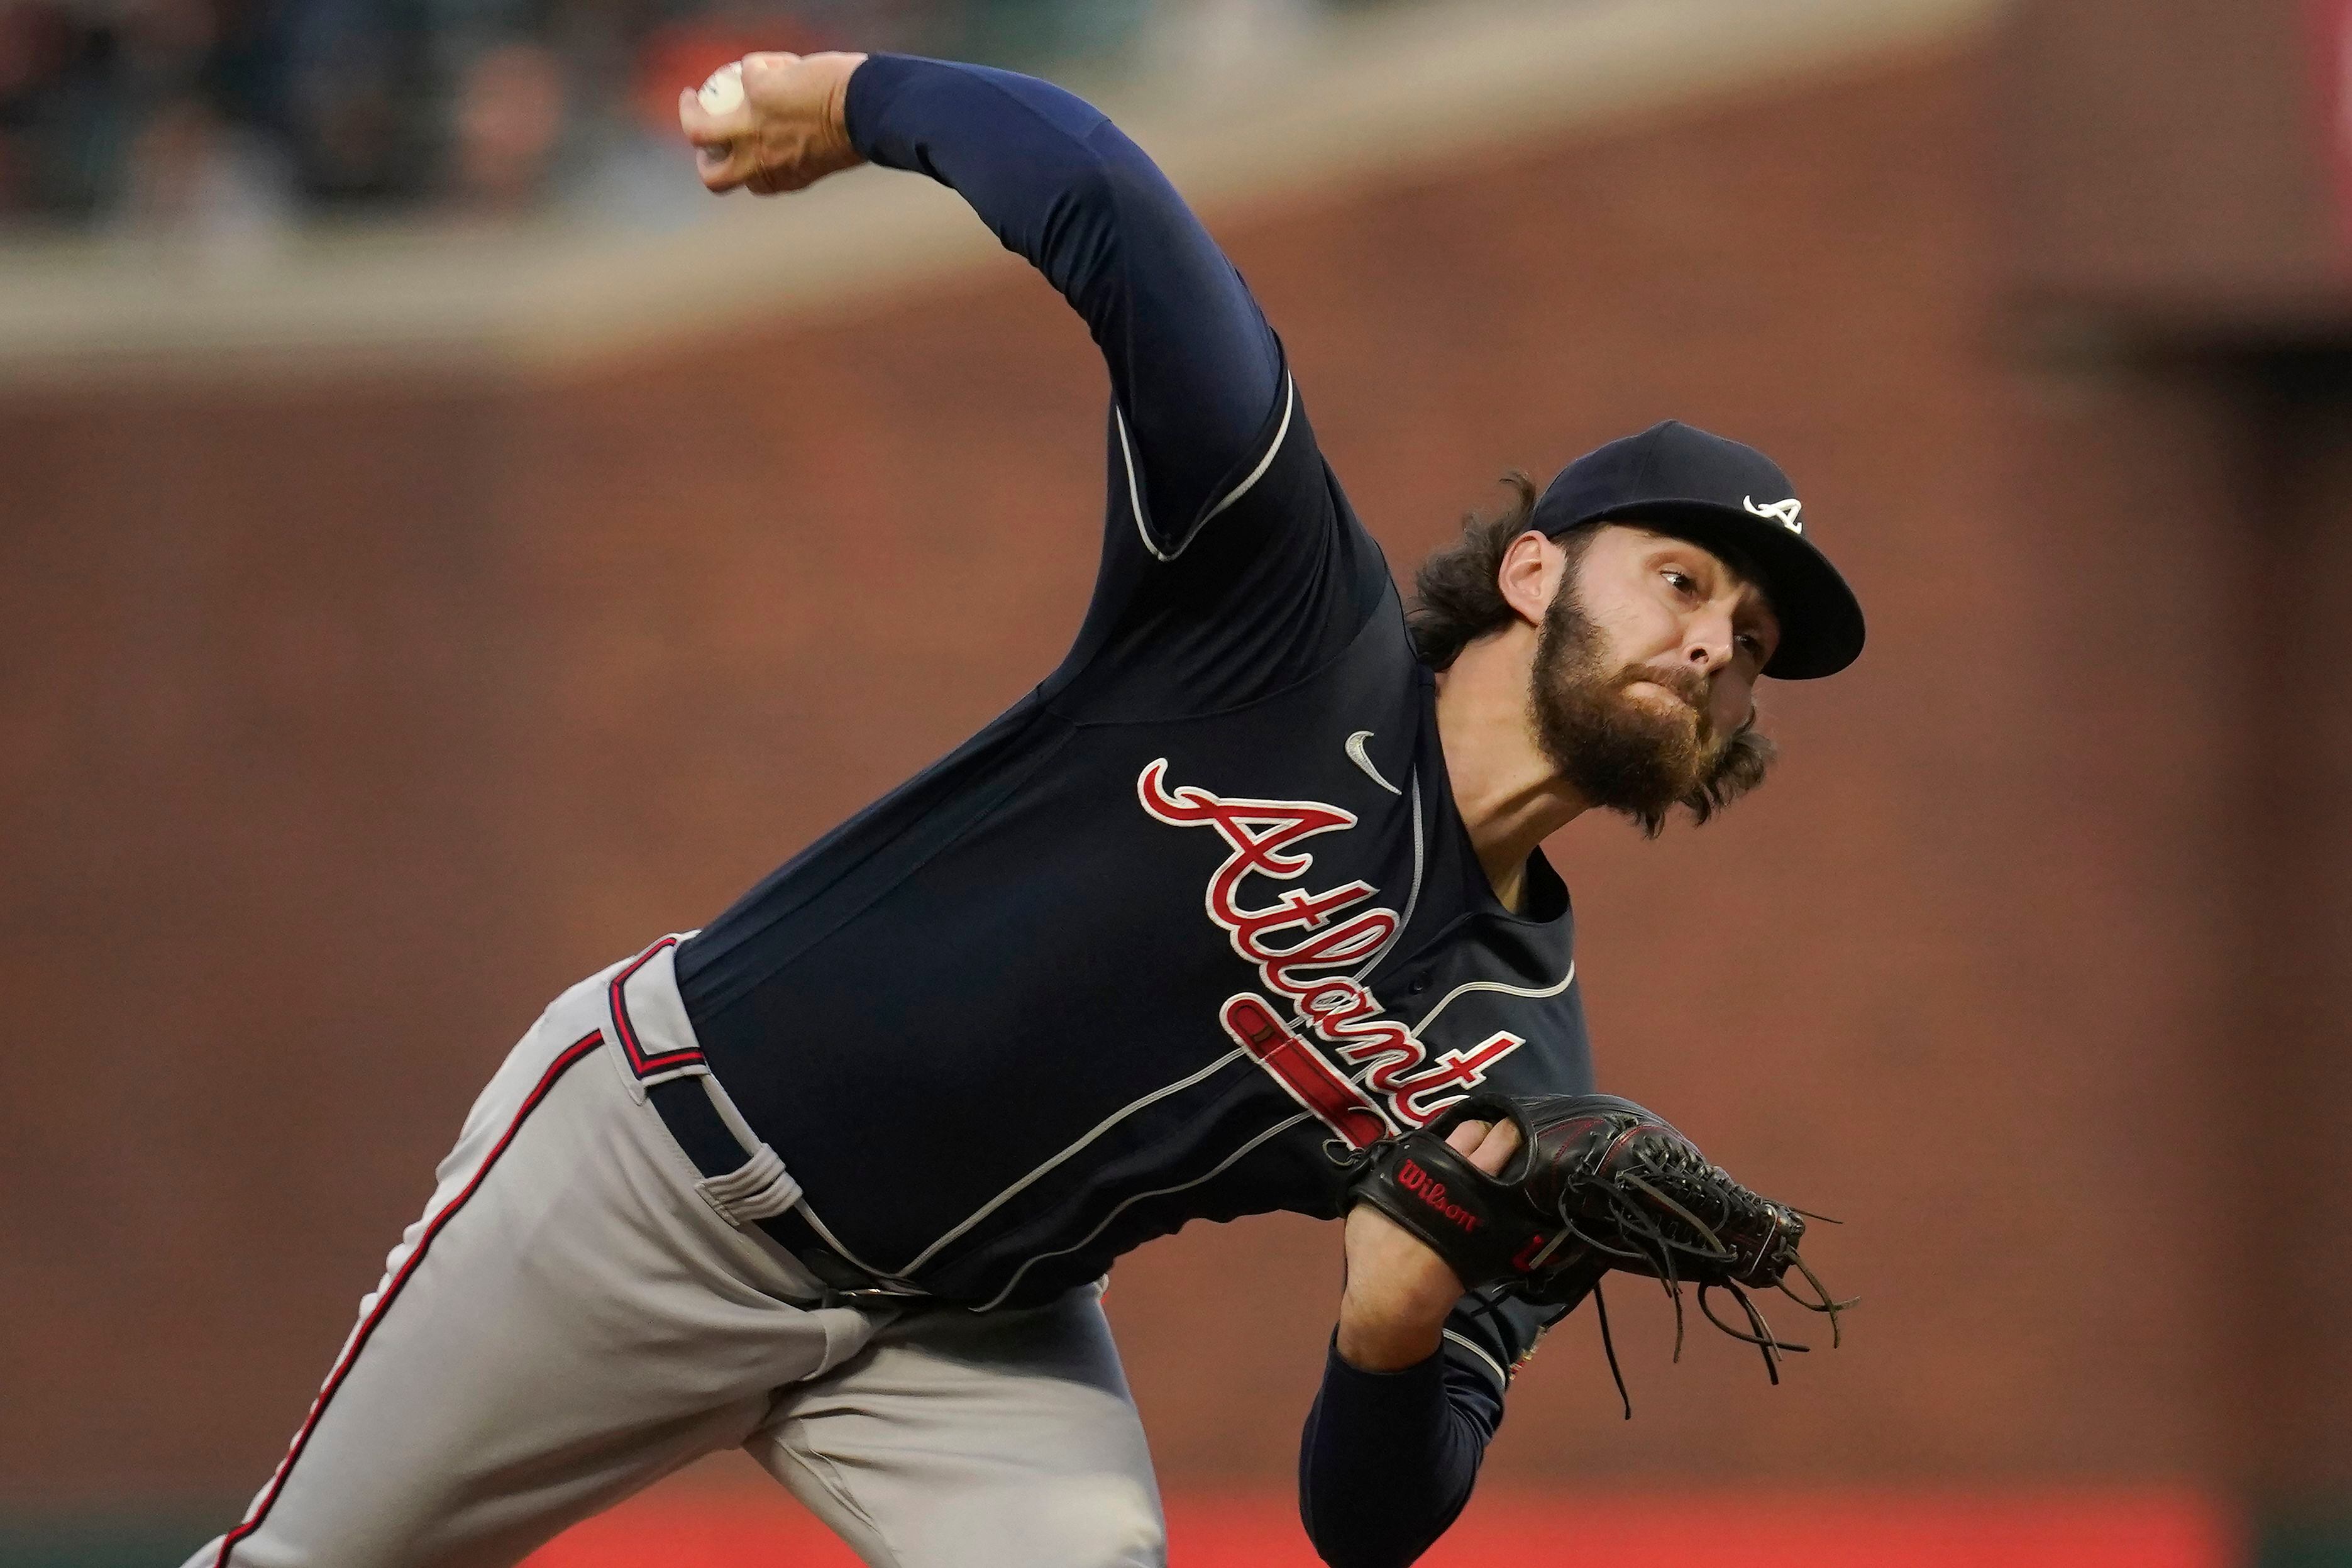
x=686 y=1100
x=694 y=1121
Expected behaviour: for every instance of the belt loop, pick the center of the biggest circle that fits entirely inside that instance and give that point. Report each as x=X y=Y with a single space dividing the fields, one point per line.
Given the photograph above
x=760 y=1188
x=656 y=1038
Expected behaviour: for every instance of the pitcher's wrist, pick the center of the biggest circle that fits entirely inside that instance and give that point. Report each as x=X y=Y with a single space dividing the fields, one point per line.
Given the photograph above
x=1373 y=1341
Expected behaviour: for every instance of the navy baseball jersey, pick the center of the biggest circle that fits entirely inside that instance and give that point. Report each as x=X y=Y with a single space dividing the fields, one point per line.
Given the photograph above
x=1195 y=915
x=1197 y=910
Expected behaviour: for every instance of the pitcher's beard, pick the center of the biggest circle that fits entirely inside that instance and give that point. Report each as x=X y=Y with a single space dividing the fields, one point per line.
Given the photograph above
x=1619 y=750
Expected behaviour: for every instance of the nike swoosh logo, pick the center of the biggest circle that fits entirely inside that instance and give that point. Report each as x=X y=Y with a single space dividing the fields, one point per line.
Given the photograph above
x=1356 y=755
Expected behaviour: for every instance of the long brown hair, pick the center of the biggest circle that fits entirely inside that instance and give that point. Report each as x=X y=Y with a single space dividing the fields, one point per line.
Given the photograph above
x=1457 y=594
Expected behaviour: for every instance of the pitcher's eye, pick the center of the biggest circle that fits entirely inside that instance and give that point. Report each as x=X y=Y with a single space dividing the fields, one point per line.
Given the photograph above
x=1681 y=582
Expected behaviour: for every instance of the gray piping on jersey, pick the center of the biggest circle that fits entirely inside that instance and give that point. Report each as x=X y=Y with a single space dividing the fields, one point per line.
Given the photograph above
x=1412 y=896
x=1124 y=1204
x=724 y=1104
x=1135 y=492
x=1289 y=402
x=1475 y=1349
x=1105 y=1125
x=808 y=1212
x=1563 y=983
x=1134 y=498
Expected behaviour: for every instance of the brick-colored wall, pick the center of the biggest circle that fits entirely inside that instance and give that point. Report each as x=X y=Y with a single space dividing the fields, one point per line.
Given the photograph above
x=2180 y=161
x=341 y=726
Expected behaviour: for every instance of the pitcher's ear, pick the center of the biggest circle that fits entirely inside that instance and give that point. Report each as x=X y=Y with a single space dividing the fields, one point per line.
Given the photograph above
x=1529 y=575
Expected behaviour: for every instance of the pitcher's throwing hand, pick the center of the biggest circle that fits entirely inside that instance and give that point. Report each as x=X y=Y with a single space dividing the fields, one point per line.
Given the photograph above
x=789 y=130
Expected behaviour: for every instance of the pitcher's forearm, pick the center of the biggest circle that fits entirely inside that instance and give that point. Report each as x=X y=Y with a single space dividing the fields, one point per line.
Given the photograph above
x=1388 y=1458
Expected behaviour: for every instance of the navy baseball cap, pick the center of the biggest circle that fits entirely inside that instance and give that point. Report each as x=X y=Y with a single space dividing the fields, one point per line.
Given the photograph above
x=1676 y=479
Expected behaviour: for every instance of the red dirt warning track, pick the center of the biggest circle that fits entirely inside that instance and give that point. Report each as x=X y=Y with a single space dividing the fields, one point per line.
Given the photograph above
x=2107 y=1528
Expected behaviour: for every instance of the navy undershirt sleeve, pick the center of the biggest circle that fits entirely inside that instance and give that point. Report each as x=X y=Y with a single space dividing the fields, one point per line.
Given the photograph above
x=1386 y=1459
x=1193 y=365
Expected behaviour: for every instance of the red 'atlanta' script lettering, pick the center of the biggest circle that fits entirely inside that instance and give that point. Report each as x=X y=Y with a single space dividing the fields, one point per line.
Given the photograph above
x=1303 y=945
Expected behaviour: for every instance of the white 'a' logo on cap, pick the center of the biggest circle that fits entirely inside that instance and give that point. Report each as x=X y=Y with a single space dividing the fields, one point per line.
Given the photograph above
x=1783 y=513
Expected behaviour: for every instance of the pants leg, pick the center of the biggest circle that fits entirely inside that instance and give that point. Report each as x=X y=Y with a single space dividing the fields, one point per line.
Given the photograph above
x=568 y=1322
x=964 y=1441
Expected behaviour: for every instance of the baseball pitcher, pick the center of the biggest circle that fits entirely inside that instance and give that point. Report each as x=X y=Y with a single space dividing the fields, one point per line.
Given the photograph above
x=1241 y=908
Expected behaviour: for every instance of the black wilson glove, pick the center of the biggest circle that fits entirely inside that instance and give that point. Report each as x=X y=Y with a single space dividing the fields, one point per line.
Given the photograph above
x=1598 y=1183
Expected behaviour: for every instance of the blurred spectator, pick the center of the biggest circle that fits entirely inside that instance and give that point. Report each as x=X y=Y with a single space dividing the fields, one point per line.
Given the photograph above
x=193 y=175
x=57 y=111
x=223 y=117
x=508 y=115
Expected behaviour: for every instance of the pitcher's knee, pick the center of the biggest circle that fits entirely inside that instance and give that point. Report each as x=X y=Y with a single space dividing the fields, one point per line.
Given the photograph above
x=1096 y=1521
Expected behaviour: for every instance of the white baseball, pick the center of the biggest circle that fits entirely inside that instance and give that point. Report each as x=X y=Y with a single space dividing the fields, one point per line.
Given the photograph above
x=723 y=93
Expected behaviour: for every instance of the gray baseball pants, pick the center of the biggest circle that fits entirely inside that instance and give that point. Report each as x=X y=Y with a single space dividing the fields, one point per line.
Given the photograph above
x=575 y=1317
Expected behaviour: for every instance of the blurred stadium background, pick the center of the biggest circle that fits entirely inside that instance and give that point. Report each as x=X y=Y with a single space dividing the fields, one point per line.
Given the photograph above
x=442 y=549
